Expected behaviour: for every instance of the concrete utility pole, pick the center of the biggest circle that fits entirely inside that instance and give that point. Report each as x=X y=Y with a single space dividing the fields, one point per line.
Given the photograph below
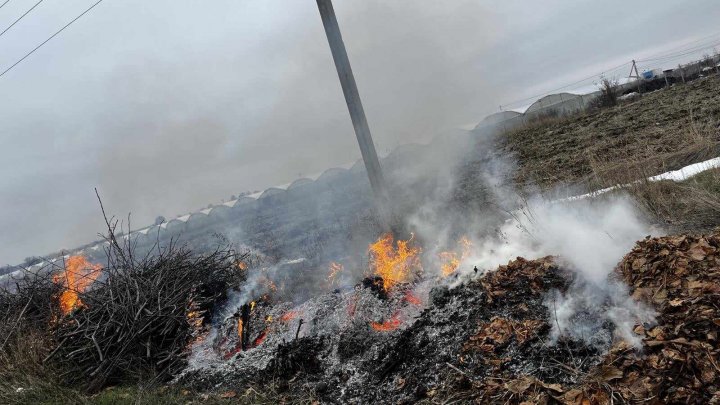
x=352 y=98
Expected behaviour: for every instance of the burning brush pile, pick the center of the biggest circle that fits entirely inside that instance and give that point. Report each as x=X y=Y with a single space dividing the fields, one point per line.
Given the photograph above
x=497 y=337
x=129 y=320
x=403 y=334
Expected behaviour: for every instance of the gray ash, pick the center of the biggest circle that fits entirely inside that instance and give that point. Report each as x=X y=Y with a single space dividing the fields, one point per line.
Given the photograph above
x=495 y=326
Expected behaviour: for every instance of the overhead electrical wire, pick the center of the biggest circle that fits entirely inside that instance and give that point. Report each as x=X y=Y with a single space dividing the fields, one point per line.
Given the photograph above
x=686 y=52
x=6 y=2
x=673 y=53
x=568 y=85
x=19 y=18
x=680 y=48
x=51 y=37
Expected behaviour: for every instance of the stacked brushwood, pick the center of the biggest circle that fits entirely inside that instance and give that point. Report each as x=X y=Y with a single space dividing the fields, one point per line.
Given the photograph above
x=139 y=318
x=25 y=303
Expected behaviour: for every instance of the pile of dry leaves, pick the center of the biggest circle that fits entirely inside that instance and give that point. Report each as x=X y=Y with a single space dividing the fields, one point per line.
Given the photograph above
x=679 y=361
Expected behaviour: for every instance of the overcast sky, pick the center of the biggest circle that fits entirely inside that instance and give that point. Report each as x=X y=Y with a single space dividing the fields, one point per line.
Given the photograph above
x=168 y=105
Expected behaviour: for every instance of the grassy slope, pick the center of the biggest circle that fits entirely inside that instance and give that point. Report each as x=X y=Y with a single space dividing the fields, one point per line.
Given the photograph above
x=663 y=130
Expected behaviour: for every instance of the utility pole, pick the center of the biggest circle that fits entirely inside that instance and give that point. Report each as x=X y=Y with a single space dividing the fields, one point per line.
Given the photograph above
x=636 y=75
x=682 y=73
x=352 y=98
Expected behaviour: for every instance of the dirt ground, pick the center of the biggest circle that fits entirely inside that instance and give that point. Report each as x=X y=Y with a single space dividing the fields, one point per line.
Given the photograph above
x=662 y=130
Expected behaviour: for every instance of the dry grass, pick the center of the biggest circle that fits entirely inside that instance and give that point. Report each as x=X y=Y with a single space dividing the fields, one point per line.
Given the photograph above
x=653 y=133
x=699 y=142
x=690 y=205
x=25 y=378
x=662 y=131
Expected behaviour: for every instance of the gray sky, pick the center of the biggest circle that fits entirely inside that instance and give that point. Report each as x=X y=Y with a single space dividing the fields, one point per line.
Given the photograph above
x=169 y=105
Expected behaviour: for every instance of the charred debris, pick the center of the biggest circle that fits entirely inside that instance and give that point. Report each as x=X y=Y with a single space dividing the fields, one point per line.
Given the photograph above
x=397 y=337
x=489 y=340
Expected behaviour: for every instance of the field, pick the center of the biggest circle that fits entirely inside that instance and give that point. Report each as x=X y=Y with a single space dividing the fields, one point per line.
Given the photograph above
x=641 y=137
x=661 y=131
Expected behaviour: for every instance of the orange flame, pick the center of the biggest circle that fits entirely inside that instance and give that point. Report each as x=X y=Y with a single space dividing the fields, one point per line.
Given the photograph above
x=335 y=269
x=451 y=260
x=451 y=263
x=260 y=338
x=269 y=284
x=240 y=328
x=242 y=265
x=412 y=299
x=394 y=265
x=195 y=319
x=389 y=325
x=288 y=316
x=78 y=275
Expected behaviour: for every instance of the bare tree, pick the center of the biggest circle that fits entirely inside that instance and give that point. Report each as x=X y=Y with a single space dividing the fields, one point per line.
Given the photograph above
x=608 y=93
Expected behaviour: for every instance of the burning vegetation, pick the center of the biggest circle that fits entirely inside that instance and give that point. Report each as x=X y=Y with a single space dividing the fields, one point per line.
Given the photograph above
x=394 y=262
x=451 y=260
x=124 y=321
x=400 y=331
x=490 y=341
x=77 y=277
x=334 y=270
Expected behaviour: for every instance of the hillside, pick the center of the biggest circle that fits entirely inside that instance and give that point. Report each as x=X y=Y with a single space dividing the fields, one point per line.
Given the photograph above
x=660 y=131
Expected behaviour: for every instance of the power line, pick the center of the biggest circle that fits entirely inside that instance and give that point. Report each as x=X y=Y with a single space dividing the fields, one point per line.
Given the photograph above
x=6 y=2
x=675 y=53
x=683 y=52
x=679 y=48
x=51 y=37
x=21 y=17
x=568 y=85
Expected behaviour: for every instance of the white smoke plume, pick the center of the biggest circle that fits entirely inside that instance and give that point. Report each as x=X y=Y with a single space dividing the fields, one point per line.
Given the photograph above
x=589 y=237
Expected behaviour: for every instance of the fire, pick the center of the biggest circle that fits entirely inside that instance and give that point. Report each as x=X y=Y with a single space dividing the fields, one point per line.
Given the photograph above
x=412 y=299
x=269 y=284
x=78 y=275
x=288 y=316
x=450 y=263
x=389 y=325
x=335 y=269
x=252 y=306
x=195 y=319
x=242 y=265
x=260 y=338
x=451 y=260
x=240 y=328
x=394 y=265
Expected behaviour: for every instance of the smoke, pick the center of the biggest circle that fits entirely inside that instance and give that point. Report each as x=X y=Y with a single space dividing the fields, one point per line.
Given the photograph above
x=589 y=237
x=224 y=98
x=187 y=103
x=582 y=311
